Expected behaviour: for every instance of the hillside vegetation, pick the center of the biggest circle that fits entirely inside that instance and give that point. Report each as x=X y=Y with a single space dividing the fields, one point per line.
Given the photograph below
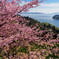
x=45 y=47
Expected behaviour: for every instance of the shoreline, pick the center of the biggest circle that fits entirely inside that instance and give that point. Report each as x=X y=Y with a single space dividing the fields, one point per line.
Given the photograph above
x=41 y=18
x=44 y=24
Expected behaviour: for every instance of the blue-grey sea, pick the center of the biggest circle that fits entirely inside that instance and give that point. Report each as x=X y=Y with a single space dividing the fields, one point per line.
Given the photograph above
x=44 y=18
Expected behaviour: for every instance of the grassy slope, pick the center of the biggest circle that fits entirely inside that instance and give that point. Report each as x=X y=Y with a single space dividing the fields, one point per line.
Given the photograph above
x=44 y=50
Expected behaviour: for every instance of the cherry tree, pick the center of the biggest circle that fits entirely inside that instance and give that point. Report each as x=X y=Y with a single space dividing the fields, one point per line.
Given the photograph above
x=12 y=25
x=15 y=33
x=13 y=7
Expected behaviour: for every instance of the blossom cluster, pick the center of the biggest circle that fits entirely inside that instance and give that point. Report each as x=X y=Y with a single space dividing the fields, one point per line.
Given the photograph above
x=17 y=36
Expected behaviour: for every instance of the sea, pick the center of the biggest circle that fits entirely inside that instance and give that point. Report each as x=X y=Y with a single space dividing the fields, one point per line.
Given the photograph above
x=48 y=18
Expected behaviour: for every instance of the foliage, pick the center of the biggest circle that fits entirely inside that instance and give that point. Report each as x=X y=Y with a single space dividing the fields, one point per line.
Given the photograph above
x=25 y=38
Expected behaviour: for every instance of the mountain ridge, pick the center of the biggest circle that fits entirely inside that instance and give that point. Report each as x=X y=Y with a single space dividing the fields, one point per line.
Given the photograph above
x=32 y=13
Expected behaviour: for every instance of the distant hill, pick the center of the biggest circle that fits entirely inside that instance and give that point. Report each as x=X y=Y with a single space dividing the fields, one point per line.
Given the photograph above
x=56 y=17
x=32 y=13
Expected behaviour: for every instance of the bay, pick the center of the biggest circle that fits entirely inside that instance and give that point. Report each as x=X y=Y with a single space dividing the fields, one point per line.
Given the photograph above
x=44 y=18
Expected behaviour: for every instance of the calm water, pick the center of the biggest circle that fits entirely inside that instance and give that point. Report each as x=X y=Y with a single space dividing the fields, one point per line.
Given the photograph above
x=44 y=18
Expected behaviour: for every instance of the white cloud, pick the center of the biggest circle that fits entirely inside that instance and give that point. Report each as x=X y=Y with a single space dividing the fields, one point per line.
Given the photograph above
x=51 y=5
x=23 y=3
x=46 y=8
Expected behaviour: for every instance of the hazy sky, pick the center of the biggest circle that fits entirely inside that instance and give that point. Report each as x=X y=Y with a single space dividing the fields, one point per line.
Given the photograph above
x=49 y=6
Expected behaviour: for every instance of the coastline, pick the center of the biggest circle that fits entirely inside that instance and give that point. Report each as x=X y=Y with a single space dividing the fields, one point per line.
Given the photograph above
x=44 y=24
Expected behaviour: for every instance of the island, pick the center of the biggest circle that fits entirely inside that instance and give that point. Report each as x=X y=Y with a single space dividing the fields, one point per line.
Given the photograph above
x=56 y=17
